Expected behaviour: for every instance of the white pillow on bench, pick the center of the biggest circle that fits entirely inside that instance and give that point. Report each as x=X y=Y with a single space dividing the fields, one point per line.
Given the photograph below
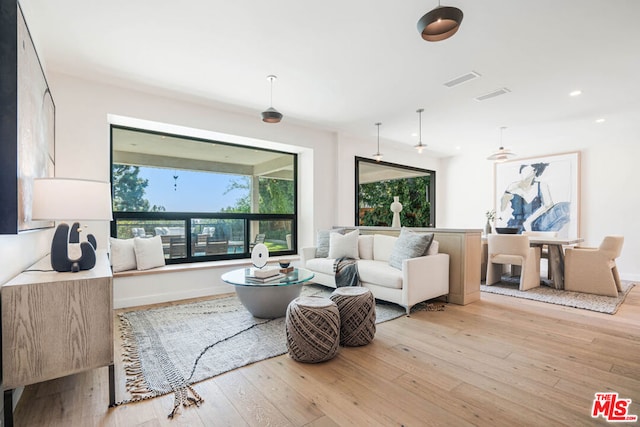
x=149 y=253
x=123 y=256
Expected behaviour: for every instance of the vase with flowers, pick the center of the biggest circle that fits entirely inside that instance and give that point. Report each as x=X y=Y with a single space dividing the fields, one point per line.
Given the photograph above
x=491 y=216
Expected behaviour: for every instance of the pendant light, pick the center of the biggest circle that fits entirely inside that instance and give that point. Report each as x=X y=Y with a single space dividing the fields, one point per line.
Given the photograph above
x=440 y=24
x=503 y=153
x=271 y=115
x=420 y=146
x=378 y=156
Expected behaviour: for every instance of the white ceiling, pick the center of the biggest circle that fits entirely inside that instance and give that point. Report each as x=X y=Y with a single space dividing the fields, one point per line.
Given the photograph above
x=343 y=65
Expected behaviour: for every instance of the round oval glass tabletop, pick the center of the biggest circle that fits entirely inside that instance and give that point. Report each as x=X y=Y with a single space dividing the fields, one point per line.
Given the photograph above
x=268 y=297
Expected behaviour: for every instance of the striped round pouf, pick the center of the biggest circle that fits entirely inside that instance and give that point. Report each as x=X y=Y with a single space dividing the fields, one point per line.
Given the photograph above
x=313 y=329
x=357 y=309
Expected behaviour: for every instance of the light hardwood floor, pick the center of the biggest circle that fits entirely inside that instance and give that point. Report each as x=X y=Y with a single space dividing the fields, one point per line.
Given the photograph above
x=500 y=361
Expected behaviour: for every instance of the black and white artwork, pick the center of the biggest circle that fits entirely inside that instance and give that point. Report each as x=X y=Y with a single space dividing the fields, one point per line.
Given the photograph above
x=539 y=194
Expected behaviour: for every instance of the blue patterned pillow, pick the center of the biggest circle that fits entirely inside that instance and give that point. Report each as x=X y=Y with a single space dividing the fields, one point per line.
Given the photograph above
x=409 y=245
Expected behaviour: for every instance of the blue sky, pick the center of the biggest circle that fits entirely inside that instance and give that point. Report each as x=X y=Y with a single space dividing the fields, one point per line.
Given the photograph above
x=195 y=191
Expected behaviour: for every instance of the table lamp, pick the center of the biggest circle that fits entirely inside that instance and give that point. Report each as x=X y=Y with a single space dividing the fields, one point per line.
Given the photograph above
x=63 y=199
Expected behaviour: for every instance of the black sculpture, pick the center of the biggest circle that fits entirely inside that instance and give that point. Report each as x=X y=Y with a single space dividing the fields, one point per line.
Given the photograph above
x=60 y=250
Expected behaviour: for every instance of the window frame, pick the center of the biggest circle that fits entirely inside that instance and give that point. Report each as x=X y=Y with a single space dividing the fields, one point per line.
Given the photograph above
x=432 y=186
x=187 y=217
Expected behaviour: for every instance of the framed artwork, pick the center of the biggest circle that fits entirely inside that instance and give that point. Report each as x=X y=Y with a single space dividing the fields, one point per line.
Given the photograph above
x=539 y=194
x=28 y=126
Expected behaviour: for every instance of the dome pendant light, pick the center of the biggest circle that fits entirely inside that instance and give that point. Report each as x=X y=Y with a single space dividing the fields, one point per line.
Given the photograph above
x=440 y=24
x=271 y=115
x=503 y=153
x=420 y=146
x=378 y=156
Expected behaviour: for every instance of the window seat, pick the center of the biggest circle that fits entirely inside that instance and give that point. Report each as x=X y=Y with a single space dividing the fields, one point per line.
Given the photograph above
x=177 y=281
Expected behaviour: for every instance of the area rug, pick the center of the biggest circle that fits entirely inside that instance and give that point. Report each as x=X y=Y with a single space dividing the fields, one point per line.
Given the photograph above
x=170 y=348
x=600 y=303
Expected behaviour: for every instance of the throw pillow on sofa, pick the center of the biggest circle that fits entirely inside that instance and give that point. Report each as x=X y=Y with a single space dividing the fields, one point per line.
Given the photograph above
x=343 y=245
x=322 y=241
x=123 y=256
x=409 y=245
x=149 y=253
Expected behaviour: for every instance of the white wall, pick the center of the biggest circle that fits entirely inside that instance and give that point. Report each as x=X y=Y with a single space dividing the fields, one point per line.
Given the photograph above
x=84 y=109
x=17 y=252
x=350 y=147
x=609 y=201
x=326 y=185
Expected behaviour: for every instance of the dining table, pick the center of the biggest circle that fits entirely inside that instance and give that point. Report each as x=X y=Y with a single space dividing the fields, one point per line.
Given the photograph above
x=556 y=255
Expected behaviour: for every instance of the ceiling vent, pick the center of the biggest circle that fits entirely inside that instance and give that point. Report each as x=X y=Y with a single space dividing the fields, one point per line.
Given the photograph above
x=492 y=94
x=462 y=79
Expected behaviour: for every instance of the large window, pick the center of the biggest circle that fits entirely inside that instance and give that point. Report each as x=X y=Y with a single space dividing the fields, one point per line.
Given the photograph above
x=207 y=200
x=378 y=182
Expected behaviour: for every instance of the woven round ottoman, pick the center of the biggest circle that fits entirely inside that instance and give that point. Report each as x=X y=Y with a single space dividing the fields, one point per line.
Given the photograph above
x=313 y=329
x=357 y=309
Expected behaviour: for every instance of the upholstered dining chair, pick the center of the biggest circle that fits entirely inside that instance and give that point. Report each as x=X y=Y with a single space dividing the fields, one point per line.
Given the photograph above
x=594 y=270
x=544 y=249
x=514 y=250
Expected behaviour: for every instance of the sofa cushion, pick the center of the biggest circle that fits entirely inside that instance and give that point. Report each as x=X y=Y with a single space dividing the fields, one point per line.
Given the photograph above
x=382 y=246
x=343 y=245
x=365 y=247
x=433 y=248
x=409 y=245
x=321 y=265
x=322 y=241
x=379 y=273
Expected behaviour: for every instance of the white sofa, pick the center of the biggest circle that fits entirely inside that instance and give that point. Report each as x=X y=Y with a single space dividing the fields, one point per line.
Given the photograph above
x=420 y=279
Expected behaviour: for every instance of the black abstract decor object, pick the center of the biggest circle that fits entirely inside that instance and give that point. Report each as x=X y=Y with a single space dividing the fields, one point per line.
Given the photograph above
x=60 y=260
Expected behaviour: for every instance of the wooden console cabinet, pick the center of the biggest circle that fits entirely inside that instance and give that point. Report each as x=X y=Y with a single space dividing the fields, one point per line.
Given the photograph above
x=56 y=324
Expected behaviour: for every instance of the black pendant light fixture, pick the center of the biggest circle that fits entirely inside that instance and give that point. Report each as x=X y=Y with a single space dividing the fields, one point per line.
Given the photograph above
x=378 y=156
x=420 y=146
x=440 y=24
x=503 y=153
x=271 y=115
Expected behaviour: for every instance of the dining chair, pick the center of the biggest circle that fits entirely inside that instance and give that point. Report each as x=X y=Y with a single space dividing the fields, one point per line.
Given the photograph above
x=513 y=250
x=594 y=270
x=544 y=249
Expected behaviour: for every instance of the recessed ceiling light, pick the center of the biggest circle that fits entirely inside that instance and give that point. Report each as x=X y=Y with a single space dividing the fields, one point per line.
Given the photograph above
x=462 y=79
x=575 y=93
x=414 y=134
x=601 y=120
x=492 y=94
x=458 y=148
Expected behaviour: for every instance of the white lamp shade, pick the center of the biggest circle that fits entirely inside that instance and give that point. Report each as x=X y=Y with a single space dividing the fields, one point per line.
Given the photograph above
x=67 y=199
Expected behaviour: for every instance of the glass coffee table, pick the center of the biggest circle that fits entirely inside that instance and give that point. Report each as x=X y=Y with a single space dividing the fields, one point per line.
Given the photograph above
x=270 y=299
